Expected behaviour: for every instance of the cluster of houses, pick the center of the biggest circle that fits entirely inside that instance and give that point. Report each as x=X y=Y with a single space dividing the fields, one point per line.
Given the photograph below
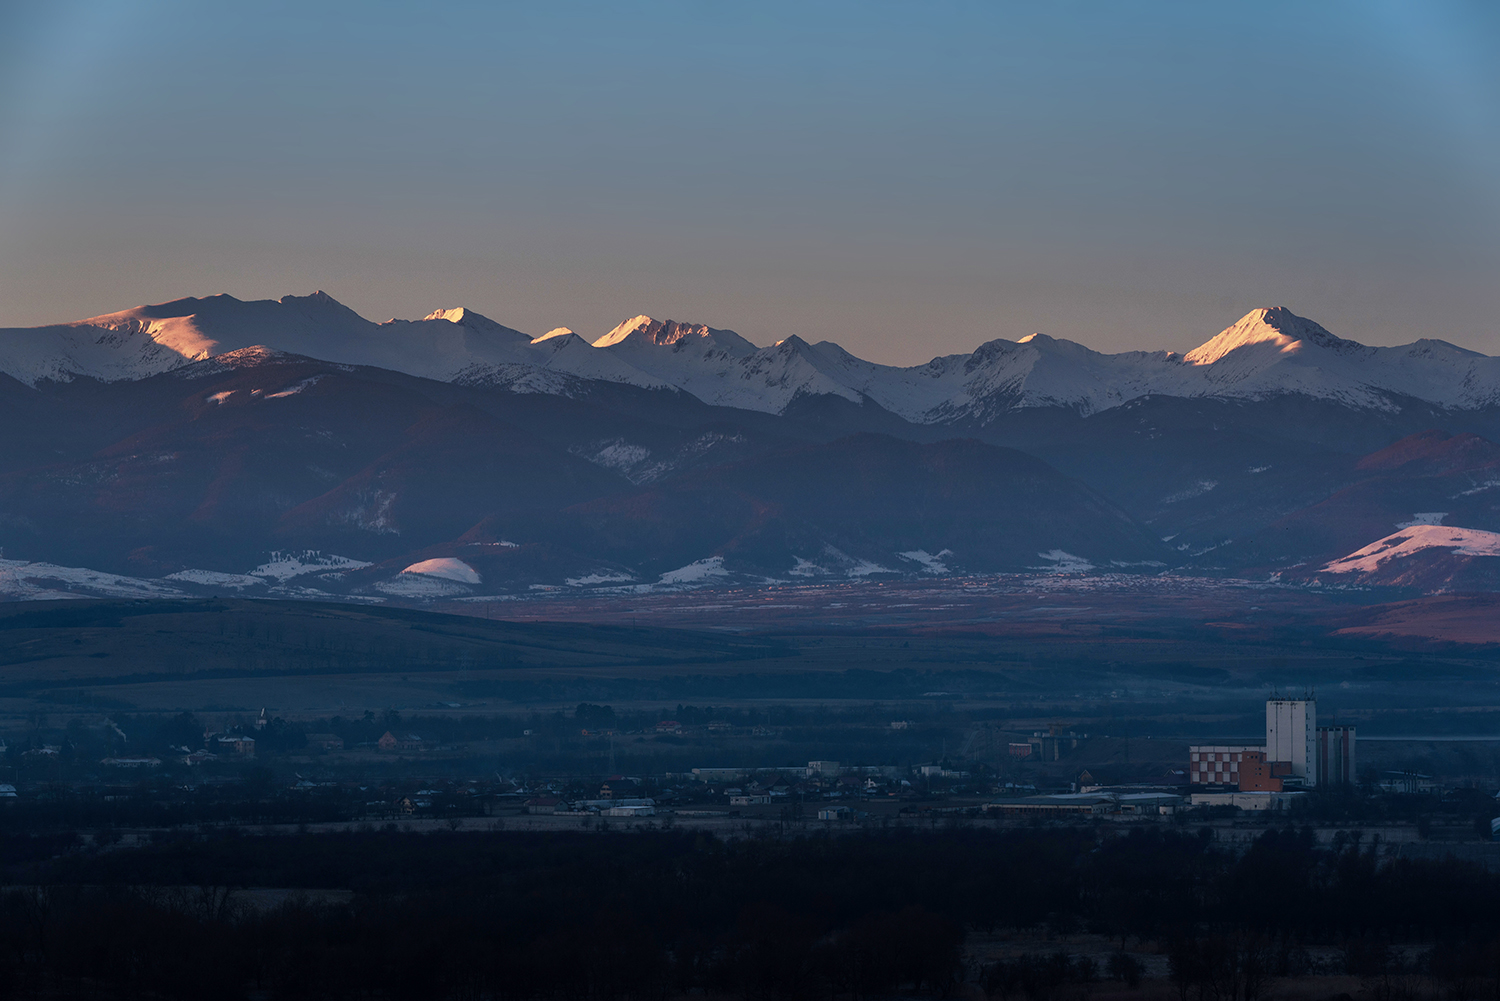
x=708 y=791
x=674 y=728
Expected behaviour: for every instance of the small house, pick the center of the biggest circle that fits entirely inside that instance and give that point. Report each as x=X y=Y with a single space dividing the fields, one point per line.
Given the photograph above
x=407 y=742
x=236 y=743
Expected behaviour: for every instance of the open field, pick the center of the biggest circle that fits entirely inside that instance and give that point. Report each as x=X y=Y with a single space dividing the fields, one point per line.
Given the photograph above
x=1053 y=652
x=1179 y=673
x=1142 y=675
x=1054 y=606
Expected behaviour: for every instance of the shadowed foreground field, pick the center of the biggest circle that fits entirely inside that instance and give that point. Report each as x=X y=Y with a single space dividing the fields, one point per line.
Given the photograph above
x=1018 y=914
x=304 y=658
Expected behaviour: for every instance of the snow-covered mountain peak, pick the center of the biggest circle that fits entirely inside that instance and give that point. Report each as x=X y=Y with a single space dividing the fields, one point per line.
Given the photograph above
x=645 y=330
x=451 y=315
x=475 y=322
x=319 y=307
x=1050 y=345
x=1278 y=327
x=1267 y=353
x=624 y=330
x=990 y=350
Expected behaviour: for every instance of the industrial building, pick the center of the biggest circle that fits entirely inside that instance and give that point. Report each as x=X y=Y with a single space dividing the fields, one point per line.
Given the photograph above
x=1291 y=735
x=1218 y=764
x=1297 y=754
x=1252 y=801
x=1335 y=762
x=1114 y=804
x=1054 y=745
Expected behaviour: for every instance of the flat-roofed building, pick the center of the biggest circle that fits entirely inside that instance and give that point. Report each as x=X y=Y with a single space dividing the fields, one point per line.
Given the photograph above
x=1259 y=775
x=1064 y=804
x=1254 y=801
x=1219 y=764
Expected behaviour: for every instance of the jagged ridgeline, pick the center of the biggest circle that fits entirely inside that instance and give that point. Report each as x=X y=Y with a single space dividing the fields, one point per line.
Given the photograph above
x=291 y=447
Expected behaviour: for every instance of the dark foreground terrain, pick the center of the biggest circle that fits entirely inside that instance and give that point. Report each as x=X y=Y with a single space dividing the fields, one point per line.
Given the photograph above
x=259 y=799
x=1039 y=914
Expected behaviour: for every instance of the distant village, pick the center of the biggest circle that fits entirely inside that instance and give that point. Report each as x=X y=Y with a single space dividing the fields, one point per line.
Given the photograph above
x=398 y=774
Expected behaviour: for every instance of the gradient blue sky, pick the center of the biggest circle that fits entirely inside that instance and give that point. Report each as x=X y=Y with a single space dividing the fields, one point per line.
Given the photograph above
x=907 y=179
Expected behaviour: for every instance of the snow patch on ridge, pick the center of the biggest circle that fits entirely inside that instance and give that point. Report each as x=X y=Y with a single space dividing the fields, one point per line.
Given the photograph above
x=1064 y=562
x=696 y=573
x=595 y=579
x=806 y=568
x=23 y=580
x=446 y=567
x=294 y=390
x=212 y=578
x=620 y=455
x=1196 y=490
x=932 y=564
x=1418 y=538
x=405 y=585
x=1424 y=518
x=282 y=567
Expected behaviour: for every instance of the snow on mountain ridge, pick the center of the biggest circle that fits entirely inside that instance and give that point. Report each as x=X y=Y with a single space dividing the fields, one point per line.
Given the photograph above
x=644 y=330
x=720 y=367
x=1277 y=326
x=1268 y=352
x=1414 y=539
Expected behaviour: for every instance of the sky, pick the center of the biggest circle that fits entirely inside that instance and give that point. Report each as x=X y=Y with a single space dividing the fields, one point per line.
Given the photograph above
x=907 y=179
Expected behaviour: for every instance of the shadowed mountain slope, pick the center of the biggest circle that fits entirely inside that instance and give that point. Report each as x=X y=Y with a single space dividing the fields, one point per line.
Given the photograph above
x=1430 y=478
x=861 y=505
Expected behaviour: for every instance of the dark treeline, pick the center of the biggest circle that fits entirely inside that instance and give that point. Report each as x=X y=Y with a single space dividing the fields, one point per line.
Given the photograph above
x=259 y=799
x=165 y=734
x=451 y=915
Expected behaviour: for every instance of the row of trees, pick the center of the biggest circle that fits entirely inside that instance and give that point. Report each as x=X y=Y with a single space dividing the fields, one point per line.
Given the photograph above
x=597 y=916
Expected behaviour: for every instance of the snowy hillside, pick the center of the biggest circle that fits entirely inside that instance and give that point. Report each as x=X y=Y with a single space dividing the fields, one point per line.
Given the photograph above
x=449 y=344
x=1431 y=557
x=1269 y=352
x=1415 y=539
x=719 y=366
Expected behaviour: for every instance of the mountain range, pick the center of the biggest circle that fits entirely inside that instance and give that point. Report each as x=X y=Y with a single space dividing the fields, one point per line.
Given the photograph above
x=196 y=443
x=1269 y=352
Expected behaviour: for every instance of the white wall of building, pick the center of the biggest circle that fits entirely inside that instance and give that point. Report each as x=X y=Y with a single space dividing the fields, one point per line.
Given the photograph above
x=1292 y=735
